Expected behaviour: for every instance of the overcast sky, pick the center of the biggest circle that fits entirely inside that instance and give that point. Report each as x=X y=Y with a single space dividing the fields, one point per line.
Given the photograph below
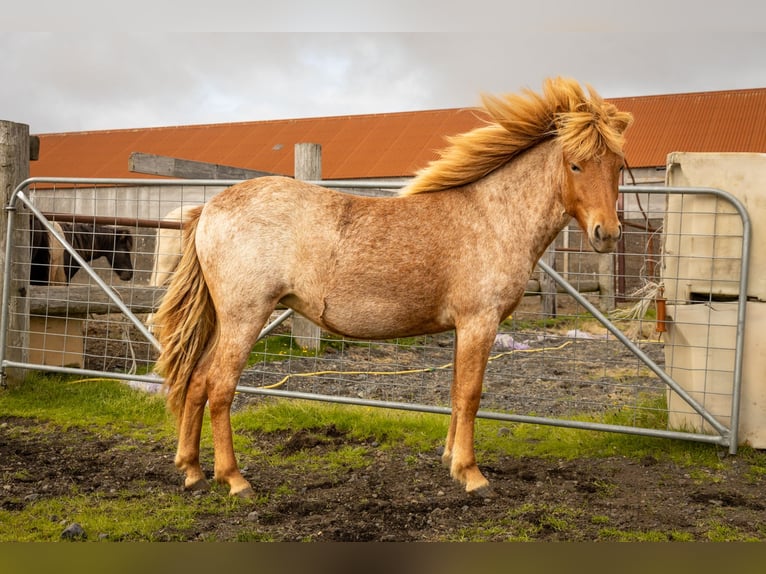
x=87 y=76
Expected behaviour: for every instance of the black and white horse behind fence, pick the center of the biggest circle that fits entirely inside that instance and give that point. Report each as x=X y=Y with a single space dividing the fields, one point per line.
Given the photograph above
x=51 y=264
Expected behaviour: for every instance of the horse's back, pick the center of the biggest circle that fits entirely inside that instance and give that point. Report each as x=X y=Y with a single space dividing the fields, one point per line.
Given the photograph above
x=266 y=225
x=359 y=266
x=271 y=211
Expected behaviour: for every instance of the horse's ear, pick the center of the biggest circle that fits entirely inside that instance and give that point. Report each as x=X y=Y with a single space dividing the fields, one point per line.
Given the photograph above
x=621 y=121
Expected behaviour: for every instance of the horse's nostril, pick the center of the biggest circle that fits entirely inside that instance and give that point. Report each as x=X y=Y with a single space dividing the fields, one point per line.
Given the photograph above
x=597 y=232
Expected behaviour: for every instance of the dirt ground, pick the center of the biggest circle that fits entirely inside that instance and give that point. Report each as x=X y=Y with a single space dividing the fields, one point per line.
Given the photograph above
x=399 y=495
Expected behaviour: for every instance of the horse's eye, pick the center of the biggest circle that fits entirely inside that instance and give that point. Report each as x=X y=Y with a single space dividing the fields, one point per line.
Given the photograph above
x=574 y=167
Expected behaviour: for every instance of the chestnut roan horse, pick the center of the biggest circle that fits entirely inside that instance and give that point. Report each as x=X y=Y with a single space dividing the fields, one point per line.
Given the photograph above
x=453 y=251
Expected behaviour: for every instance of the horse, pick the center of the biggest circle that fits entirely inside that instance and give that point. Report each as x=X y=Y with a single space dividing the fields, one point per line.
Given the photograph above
x=167 y=248
x=167 y=251
x=47 y=256
x=452 y=251
x=51 y=264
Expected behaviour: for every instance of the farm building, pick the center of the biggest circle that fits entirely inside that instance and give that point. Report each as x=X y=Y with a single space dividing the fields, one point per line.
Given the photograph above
x=391 y=147
x=388 y=146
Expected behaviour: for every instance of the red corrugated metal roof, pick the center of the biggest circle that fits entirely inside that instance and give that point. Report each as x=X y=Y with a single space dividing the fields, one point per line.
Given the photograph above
x=398 y=144
x=363 y=146
x=726 y=121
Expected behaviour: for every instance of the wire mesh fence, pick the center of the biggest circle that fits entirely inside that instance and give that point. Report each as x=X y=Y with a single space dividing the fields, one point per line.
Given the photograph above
x=554 y=361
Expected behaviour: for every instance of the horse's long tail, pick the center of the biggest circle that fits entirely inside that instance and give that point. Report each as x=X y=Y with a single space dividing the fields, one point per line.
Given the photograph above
x=185 y=320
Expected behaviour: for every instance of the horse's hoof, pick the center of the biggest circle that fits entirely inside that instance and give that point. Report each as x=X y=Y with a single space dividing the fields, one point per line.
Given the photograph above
x=484 y=492
x=200 y=485
x=245 y=493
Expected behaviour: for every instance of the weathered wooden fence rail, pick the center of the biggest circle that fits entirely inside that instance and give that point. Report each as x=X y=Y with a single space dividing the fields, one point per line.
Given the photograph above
x=81 y=300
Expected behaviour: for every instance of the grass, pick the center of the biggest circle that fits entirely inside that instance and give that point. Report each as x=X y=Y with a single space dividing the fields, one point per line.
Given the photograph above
x=522 y=524
x=109 y=404
x=331 y=464
x=116 y=517
x=420 y=431
x=276 y=348
x=718 y=532
x=616 y=535
x=111 y=408
x=537 y=440
x=115 y=408
x=283 y=347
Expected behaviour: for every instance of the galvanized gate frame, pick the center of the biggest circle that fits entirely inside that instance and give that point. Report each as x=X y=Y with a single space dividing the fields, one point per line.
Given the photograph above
x=726 y=436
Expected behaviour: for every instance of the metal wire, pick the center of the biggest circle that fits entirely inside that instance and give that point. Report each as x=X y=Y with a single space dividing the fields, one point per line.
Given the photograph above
x=542 y=372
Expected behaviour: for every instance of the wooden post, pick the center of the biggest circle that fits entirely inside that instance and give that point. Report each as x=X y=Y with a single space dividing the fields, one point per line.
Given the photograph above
x=547 y=284
x=607 y=299
x=308 y=166
x=14 y=168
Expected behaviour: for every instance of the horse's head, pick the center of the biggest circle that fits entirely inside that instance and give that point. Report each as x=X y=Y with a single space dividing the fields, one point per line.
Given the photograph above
x=120 y=255
x=590 y=196
x=591 y=137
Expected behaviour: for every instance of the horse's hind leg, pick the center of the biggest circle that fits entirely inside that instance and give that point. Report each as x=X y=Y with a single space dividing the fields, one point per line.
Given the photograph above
x=190 y=428
x=472 y=347
x=213 y=382
x=232 y=350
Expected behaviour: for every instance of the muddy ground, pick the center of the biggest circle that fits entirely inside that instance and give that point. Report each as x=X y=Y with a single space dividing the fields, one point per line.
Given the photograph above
x=399 y=495
x=403 y=495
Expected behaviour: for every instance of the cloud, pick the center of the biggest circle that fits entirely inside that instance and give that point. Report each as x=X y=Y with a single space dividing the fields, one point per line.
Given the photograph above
x=108 y=80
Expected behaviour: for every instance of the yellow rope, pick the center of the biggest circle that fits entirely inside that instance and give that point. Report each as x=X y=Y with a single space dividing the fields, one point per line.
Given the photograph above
x=374 y=373
x=406 y=372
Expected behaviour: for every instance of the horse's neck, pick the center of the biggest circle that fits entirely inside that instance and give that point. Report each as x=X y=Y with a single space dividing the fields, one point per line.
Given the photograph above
x=83 y=241
x=528 y=192
x=93 y=244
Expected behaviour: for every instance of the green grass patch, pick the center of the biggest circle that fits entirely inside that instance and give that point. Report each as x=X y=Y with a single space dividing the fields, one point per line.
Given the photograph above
x=330 y=464
x=111 y=407
x=525 y=523
x=107 y=403
x=617 y=535
x=525 y=439
x=718 y=532
x=283 y=347
x=424 y=432
x=277 y=348
x=421 y=431
x=116 y=408
x=118 y=517
x=544 y=441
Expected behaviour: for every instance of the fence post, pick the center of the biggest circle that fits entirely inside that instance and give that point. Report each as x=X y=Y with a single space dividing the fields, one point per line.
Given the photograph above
x=547 y=284
x=308 y=166
x=14 y=168
x=606 y=271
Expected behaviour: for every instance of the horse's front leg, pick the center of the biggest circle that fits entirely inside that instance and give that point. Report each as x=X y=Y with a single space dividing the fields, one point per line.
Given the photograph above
x=472 y=346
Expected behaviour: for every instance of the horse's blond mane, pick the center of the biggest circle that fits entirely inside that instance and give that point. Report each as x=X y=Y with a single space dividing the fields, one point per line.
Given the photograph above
x=586 y=125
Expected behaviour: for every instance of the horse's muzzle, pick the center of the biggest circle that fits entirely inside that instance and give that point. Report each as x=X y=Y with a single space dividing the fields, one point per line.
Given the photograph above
x=603 y=240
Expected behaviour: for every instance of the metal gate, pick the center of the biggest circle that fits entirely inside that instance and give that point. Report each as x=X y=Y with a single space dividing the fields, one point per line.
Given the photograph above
x=628 y=390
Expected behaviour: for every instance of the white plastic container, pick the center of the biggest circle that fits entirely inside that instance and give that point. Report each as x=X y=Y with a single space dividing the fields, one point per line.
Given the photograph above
x=703 y=246
x=699 y=355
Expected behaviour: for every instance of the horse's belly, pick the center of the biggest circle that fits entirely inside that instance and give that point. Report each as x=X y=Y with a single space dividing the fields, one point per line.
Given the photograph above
x=368 y=326
x=370 y=318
